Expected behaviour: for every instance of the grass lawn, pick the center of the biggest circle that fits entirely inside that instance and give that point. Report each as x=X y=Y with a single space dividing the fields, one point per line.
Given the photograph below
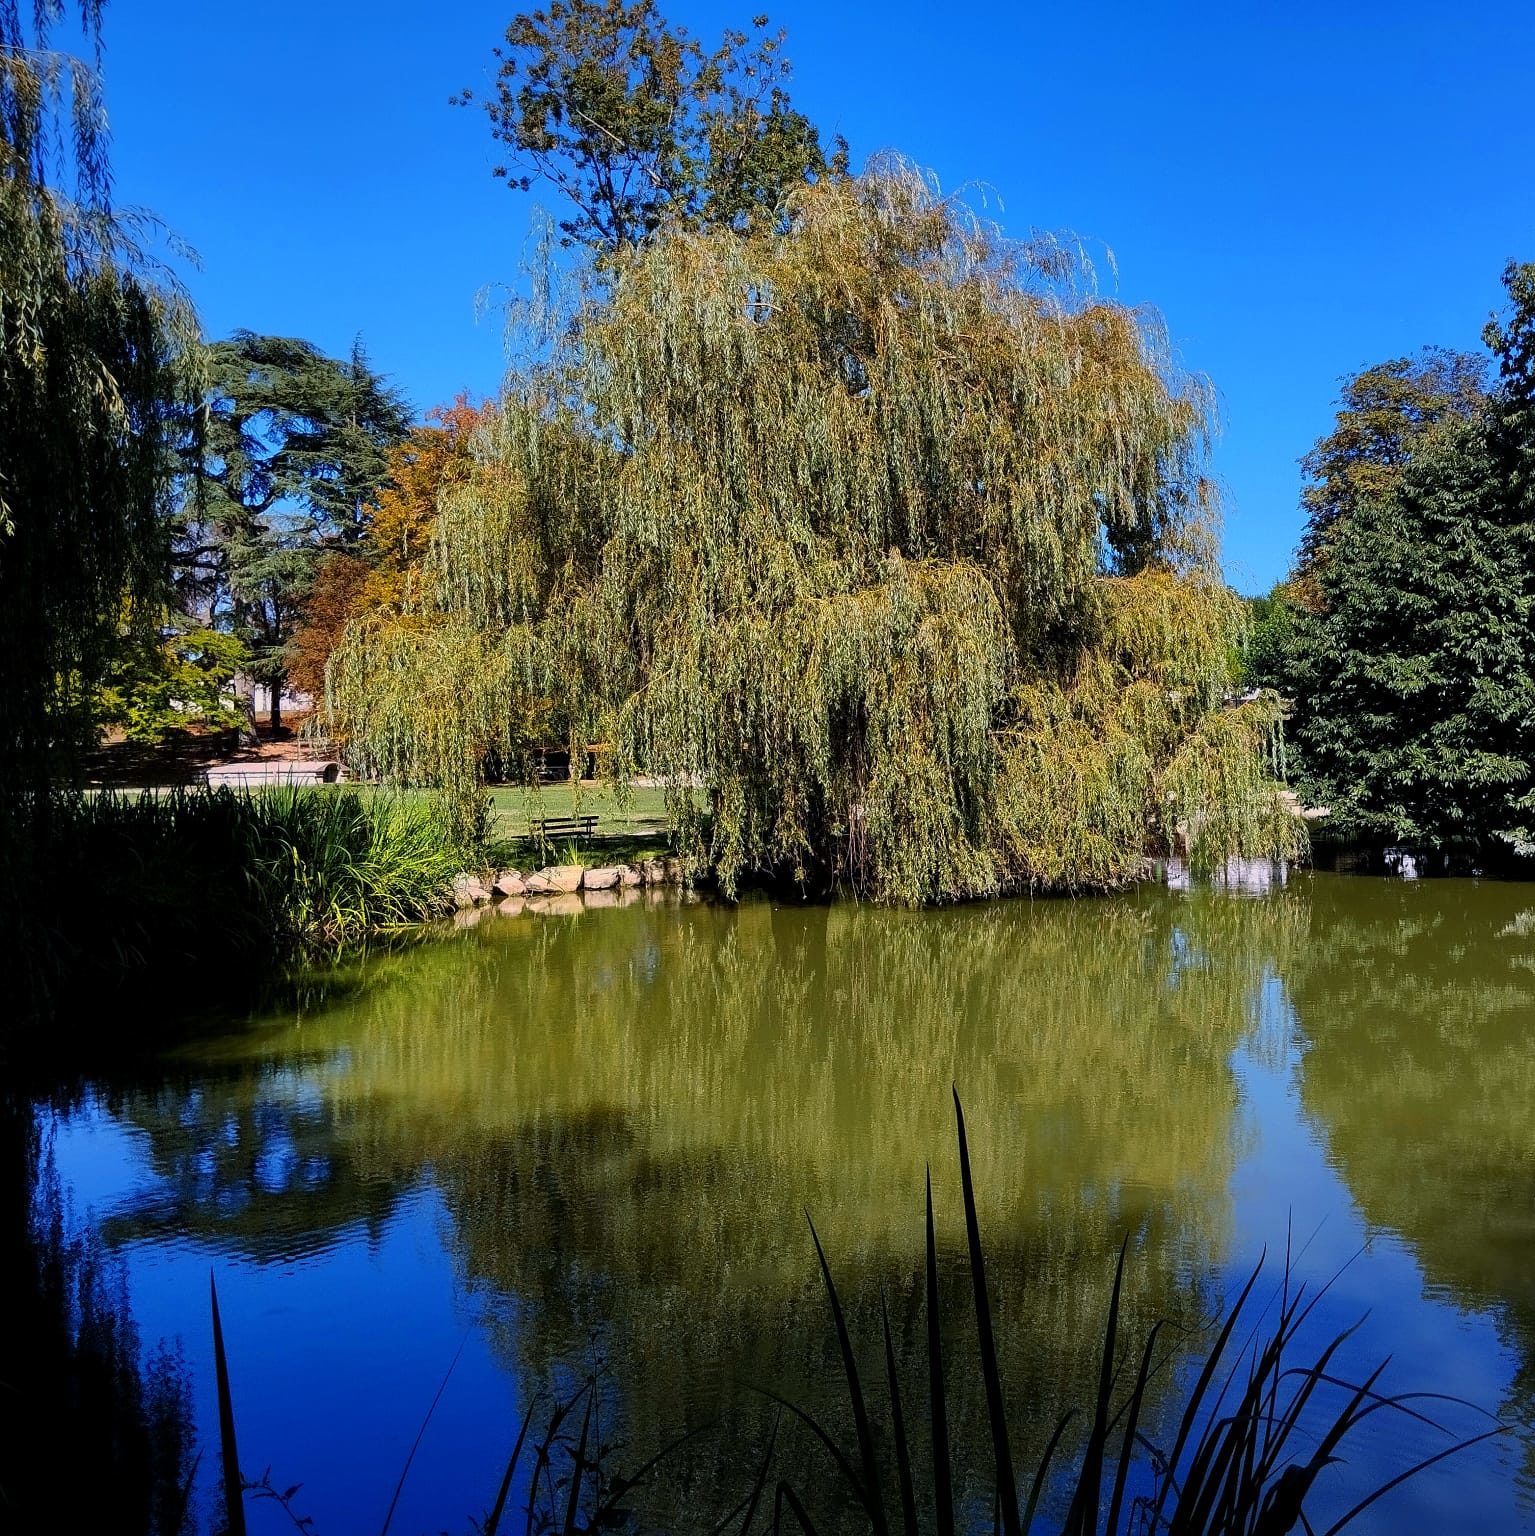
x=637 y=829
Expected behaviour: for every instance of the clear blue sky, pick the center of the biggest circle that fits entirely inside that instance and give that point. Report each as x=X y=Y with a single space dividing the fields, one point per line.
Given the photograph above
x=1301 y=188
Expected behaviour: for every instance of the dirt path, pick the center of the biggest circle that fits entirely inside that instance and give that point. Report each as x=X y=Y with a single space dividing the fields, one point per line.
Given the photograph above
x=187 y=759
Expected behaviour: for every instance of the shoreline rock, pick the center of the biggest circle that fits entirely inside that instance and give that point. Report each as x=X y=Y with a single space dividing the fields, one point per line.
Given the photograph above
x=555 y=880
x=560 y=890
x=469 y=891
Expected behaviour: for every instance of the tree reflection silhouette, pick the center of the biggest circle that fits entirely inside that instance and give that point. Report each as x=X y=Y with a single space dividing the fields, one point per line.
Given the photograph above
x=628 y=1115
x=1417 y=1002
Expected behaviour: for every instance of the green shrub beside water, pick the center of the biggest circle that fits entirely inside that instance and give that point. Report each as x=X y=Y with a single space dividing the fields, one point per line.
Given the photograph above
x=178 y=887
x=290 y=868
x=334 y=866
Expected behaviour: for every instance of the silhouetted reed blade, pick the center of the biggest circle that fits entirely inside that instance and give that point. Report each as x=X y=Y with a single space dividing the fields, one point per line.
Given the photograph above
x=1241 y=1463
x=1232 y=1469
x=229 y=1455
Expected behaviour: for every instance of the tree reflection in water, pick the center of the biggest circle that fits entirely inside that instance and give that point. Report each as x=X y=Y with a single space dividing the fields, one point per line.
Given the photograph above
x=1417 y=1005
x=251 y=1158
x=628 y=1115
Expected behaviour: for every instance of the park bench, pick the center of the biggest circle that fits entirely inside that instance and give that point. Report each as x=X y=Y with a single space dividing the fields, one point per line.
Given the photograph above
x=550 y=829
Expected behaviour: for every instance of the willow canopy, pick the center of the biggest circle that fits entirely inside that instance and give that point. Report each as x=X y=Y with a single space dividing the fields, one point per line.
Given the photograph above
x=876 y=527
x=96 y=383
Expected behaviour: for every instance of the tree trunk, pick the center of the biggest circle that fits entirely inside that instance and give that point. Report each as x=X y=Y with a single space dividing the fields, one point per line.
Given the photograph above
x=245 y=702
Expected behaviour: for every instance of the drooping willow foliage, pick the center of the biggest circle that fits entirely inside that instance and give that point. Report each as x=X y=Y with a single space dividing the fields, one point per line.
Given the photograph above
x=96 y=381
x=878 y=527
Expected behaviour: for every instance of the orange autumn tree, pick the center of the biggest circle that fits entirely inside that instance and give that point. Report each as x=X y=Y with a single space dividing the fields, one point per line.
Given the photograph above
x=431 y=460
x=338 y=585
x=375 y=576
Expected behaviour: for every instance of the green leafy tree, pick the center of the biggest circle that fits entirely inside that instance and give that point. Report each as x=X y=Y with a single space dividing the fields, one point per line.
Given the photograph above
x=96 y=383
x=1411 y=657
x=1511 y=338
x=639 y=125
x=164 y=679
x=1271 y=620
x=1382 y=414
x=293 y=444
x=1414 y=696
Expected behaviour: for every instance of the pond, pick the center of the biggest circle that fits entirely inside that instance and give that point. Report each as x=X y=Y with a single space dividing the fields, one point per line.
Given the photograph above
x=549 y=1146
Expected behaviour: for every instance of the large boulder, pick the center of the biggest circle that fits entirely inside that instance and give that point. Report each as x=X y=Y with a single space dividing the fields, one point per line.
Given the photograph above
x=563 y=878
x=653 y=871
x=603 y=878
x=469 y=891
x=508 y=883
x=628 y=875
x=556 y=880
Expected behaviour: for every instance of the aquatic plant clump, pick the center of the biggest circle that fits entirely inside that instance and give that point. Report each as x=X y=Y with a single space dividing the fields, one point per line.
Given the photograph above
x=204 y=883
x=879 y=527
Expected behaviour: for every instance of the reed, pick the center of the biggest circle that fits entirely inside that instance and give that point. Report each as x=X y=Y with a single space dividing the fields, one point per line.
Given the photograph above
x=339 y=865
x=188 y=884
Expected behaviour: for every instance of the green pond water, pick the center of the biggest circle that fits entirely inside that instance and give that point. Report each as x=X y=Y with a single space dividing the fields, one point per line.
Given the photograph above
x=556 y=1144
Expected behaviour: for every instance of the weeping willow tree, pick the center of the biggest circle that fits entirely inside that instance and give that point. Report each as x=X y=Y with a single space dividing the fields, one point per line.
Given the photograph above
x=94 y=387
x=876 y=525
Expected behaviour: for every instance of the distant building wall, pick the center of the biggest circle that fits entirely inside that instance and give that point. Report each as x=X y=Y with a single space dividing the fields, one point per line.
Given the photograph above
x=292 y=702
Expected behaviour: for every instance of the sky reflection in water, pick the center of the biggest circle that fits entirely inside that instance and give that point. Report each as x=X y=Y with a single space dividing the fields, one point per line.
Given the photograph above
x=557 y=1141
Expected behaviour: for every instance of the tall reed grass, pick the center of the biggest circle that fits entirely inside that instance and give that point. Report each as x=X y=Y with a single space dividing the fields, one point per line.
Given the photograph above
x=166 y=890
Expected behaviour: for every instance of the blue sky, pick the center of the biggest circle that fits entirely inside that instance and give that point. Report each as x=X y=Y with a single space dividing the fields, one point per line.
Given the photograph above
x=1301 y=189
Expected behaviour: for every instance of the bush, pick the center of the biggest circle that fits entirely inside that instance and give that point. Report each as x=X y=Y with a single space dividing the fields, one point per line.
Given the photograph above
x=189 y=885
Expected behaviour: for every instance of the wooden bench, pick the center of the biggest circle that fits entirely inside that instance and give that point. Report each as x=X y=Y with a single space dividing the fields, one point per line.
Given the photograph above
x=551 y=828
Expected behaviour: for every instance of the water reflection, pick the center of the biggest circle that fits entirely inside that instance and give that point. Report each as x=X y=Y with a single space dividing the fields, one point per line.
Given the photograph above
x=252 y=1161
x=1418 y=1006
x=628 y=1114
x=625 y=1114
